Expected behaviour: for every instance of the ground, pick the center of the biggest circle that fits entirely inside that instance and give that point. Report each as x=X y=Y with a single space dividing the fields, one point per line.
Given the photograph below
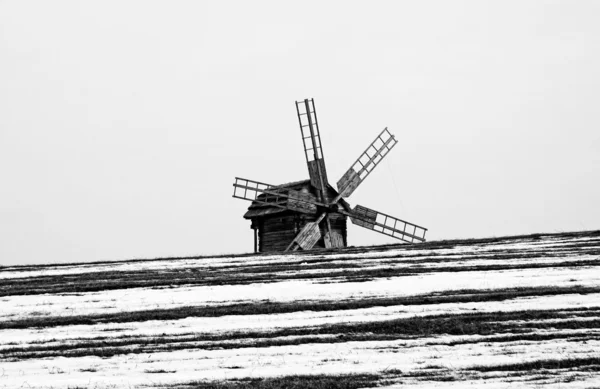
x=491 y=313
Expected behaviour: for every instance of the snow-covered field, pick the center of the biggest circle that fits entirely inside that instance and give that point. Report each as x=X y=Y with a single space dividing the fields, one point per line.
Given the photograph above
x=522 y=311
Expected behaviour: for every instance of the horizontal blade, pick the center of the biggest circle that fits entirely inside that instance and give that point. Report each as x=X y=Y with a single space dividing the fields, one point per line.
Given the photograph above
x=386 y=224
x=278 y=197
x=365 y=164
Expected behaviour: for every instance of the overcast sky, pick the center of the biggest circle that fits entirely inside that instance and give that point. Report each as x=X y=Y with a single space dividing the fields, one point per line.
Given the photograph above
x=123 y=123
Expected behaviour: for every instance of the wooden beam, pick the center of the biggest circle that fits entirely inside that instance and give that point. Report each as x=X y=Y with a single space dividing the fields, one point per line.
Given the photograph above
x=255 y=240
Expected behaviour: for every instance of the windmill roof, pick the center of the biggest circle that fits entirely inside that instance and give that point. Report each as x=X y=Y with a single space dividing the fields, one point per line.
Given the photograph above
x=293 y=184
x=260 y=209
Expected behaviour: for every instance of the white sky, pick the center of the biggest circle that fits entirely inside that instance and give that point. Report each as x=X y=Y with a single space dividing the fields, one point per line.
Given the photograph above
x=124 y=123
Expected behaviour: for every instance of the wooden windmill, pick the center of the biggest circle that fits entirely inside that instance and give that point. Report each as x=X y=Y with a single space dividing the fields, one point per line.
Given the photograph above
x=311 y=213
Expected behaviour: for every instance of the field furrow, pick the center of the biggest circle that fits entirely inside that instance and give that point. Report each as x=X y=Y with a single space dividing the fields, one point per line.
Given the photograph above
x=489 y=313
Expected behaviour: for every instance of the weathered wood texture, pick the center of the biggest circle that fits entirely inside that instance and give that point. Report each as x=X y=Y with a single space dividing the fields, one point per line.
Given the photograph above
x=348 y=183
x=313 y=171
x=276 y=232
x=297 y=191
x=368 y=217
x=387 y=225
x=334 y=239
x=308 y=236
x=299 y=201
x=367 y=161
x=278 y=227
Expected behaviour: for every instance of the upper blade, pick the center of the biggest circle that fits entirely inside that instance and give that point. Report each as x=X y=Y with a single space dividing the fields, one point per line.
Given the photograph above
x=311 y=141
x=365 y=164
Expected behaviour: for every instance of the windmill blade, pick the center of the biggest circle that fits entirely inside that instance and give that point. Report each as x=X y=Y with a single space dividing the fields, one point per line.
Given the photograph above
x=308 y=236
x=277 y=197
x=386 y=224
x=365 y=164
x=313 y=151
x=311 y=141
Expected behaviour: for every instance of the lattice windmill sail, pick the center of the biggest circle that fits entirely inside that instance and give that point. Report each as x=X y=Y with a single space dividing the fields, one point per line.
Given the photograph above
x=311 y=213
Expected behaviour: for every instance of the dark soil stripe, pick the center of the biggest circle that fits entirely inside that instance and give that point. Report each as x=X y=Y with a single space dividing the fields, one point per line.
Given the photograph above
x=94 y=282
x=588 y=364
x=462 y=324
x=239 y=273
x=393 y=375
x=262 y=308
x=560 y=237
x=345 y=381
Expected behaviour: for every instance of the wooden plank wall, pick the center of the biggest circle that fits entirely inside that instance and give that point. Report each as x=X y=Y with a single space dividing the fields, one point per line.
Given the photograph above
x=338 y=224
x=276 y=232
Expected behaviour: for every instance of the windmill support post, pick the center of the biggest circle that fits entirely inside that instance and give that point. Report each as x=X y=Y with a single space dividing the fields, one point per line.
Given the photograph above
x=255 y=240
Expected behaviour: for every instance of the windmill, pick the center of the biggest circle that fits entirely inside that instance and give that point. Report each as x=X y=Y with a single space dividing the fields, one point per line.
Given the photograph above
x=311 y=213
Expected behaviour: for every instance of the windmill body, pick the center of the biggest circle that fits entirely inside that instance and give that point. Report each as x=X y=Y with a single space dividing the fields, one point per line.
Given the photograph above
x=311 y=213
x=275 y=227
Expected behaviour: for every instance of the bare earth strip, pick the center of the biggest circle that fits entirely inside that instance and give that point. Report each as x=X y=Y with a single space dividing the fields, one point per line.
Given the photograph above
x=522 y=311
